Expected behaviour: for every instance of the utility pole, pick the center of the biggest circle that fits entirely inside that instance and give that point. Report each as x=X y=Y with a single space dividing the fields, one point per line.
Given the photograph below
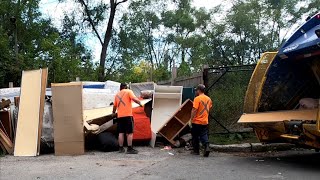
x=174 y=72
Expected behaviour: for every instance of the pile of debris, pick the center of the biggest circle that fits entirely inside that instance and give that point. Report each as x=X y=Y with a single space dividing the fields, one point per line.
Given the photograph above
x=70 y=117
x=6 y=126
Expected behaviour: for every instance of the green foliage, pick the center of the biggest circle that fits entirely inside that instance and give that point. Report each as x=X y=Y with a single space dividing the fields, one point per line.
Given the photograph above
x=162 y=34
x=191 y=37
x=40 y=44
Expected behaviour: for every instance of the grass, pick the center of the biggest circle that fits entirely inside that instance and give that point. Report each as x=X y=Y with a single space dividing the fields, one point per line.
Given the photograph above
x=223 y=139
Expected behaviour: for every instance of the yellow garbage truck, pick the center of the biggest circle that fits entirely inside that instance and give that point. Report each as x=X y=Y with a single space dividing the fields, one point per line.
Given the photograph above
x=282 y=99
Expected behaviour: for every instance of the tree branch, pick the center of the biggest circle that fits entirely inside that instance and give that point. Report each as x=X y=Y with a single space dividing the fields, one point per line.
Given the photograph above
x=117 y=3
x=90 y=20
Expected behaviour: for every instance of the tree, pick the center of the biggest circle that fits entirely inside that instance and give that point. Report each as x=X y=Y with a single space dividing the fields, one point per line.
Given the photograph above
x=137 y=33
x=185 y=23
x=40 y=44
x=93 y=17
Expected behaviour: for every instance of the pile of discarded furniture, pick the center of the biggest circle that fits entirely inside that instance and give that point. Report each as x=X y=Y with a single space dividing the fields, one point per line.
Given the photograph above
x=68 y=117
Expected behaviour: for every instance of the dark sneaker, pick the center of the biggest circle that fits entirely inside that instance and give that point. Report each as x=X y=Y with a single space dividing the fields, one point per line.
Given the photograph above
x=206 y=151
x=195 y=153
x=132 y=151
x=122 y=150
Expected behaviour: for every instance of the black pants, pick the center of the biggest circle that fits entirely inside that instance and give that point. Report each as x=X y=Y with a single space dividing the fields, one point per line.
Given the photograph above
x=199 y=134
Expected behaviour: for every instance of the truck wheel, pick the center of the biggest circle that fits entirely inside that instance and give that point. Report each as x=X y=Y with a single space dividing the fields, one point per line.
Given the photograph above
x=317 y=150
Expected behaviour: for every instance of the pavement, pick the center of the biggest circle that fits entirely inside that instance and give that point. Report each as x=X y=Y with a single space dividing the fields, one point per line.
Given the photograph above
x=154 y=163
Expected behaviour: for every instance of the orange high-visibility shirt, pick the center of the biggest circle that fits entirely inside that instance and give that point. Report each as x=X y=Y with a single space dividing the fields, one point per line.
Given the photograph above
x=122 y=102
x=203 y=104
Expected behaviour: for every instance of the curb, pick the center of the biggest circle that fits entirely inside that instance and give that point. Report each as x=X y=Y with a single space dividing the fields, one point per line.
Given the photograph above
x=251 y=147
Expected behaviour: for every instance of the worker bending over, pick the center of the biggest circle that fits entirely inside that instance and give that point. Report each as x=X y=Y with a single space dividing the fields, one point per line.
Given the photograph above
x=122 y=104
x=199 y=118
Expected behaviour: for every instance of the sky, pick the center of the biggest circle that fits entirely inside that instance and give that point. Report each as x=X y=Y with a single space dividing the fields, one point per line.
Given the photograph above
x=55 y=10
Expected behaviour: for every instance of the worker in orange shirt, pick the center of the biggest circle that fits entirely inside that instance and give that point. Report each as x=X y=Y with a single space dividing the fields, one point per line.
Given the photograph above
x=122 y=104
x=199 y=119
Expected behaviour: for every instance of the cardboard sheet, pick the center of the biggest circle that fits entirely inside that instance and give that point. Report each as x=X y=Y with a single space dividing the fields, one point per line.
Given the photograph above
x=68 y=118
x=27 y=137
x=278 y=116
x=91 y=114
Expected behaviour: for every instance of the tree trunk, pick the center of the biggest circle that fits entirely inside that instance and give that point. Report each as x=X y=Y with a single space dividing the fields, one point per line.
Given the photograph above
x=107 y=38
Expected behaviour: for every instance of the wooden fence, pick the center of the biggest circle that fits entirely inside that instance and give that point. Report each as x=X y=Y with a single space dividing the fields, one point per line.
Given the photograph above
x=190 y=81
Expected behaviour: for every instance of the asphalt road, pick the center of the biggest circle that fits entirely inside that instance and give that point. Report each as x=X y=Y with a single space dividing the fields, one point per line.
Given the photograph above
x=159 y=164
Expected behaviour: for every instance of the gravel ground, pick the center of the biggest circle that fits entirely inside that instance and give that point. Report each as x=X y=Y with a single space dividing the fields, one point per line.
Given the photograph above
x=159 y=164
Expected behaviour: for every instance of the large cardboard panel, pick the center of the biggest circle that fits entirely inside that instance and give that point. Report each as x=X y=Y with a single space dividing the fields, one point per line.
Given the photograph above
x=278 y=116
x=26 y=142
x=68 y=148
x=68 y=118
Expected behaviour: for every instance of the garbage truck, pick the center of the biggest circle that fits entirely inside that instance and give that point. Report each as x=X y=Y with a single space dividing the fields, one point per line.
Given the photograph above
x=282 y=99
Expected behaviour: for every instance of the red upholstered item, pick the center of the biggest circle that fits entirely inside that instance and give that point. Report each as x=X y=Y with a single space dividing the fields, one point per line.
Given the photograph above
x=142 y=126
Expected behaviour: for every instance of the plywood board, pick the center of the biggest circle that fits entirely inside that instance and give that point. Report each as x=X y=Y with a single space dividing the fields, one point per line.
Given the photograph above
x=278 y=116
x=26 y=142
x=68 y=118
x=44 y=76
x=177 y=122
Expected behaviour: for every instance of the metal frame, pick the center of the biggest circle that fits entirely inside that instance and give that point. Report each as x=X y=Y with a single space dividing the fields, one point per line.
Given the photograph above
x=223 y=70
